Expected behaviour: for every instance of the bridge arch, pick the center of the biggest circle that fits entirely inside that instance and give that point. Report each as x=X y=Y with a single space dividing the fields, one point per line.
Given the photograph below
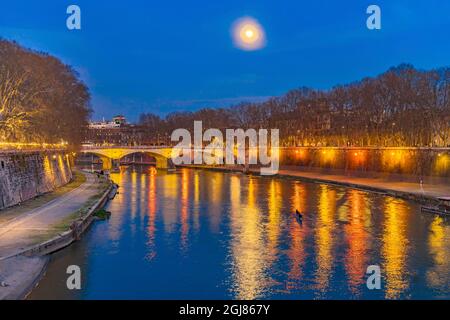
x=107 y=155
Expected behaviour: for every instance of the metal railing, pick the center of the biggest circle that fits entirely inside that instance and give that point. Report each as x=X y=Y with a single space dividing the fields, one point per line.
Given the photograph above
x=90 y=147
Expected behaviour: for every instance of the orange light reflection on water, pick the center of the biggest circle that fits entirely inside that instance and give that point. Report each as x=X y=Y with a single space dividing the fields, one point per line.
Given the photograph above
x=394 y=248
x=274 y=218
x=215 y=189
x=340 y=231
x=184 y=208
x=324 y=237
x=298 y=233
x=196 y=201
x=439 y=246
x=356 y=259
x=115 y=231
x=151 y=228
x=170 y=205
x=247 y=244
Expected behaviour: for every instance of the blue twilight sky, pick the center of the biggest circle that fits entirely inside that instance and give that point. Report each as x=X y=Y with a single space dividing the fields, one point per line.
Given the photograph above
x=162 y=56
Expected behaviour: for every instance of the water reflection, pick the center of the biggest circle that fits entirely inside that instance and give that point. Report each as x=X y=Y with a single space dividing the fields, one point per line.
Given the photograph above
x=247 y=244
x=170 y=200
x=297 y=234
x=395 y=247
x=274 y=217
x=151 y=224
x=439 y=246
x=356 y=263
x=214 y=202
x=184 y=208
x=198 y=234
x=324 y=238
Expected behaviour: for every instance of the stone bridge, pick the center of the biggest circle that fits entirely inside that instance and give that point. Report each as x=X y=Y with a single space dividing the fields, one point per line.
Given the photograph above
x=108 y=155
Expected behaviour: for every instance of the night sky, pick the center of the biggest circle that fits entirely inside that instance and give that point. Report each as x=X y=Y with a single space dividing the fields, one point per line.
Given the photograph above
x=163 y=56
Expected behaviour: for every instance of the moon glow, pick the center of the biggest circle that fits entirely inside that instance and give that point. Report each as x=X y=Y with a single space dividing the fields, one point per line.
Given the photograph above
x=248 y=34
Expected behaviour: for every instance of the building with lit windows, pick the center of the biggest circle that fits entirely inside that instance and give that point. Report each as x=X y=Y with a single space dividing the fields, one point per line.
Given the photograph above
x=114 y=132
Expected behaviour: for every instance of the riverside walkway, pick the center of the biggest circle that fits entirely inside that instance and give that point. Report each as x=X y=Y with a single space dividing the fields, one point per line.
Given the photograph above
x=18 y=273
x=40 y=223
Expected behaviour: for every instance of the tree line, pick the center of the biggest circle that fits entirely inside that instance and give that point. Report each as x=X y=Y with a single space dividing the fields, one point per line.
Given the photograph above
x=401 y=107
x=41 y=99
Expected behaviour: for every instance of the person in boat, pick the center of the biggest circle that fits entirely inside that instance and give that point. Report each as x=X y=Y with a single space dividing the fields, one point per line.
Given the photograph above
x=298 y=214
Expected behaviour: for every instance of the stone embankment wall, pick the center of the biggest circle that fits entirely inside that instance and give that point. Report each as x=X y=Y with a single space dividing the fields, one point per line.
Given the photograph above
x=27 y=174
x=434 y=162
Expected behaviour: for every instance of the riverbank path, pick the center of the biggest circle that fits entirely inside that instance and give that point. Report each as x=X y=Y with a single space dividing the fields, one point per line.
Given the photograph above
x=35 y=226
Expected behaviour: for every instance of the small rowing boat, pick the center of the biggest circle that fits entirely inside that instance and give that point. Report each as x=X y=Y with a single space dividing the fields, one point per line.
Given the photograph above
x=298 y=217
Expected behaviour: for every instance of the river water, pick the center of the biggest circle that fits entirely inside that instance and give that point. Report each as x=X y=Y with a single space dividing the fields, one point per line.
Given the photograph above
x=199 y=234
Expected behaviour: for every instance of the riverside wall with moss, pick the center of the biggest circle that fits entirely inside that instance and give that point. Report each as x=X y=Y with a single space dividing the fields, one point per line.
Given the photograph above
x=27 y=174
x=433 y=162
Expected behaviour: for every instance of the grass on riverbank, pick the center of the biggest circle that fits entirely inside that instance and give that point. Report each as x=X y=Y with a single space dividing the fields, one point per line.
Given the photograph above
x=55 y=229
x=10 y=213
x=102 y=214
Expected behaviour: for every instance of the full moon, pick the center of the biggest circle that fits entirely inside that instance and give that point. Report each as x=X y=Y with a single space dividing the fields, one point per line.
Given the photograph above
x=248 y=34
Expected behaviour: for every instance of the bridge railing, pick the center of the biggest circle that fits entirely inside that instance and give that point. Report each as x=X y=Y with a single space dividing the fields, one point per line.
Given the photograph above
x=91 y=147
x=88 y=147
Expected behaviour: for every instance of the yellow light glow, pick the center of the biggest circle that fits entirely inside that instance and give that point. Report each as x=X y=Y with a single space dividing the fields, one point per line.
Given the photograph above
x=397 y=160
x=439 y=245
x=442 y=164
x=248 y=240
x=394 y=248
x=328 y=156
x=324 y=237
x=32 y=145
x=357 y=212
x=248 y=34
